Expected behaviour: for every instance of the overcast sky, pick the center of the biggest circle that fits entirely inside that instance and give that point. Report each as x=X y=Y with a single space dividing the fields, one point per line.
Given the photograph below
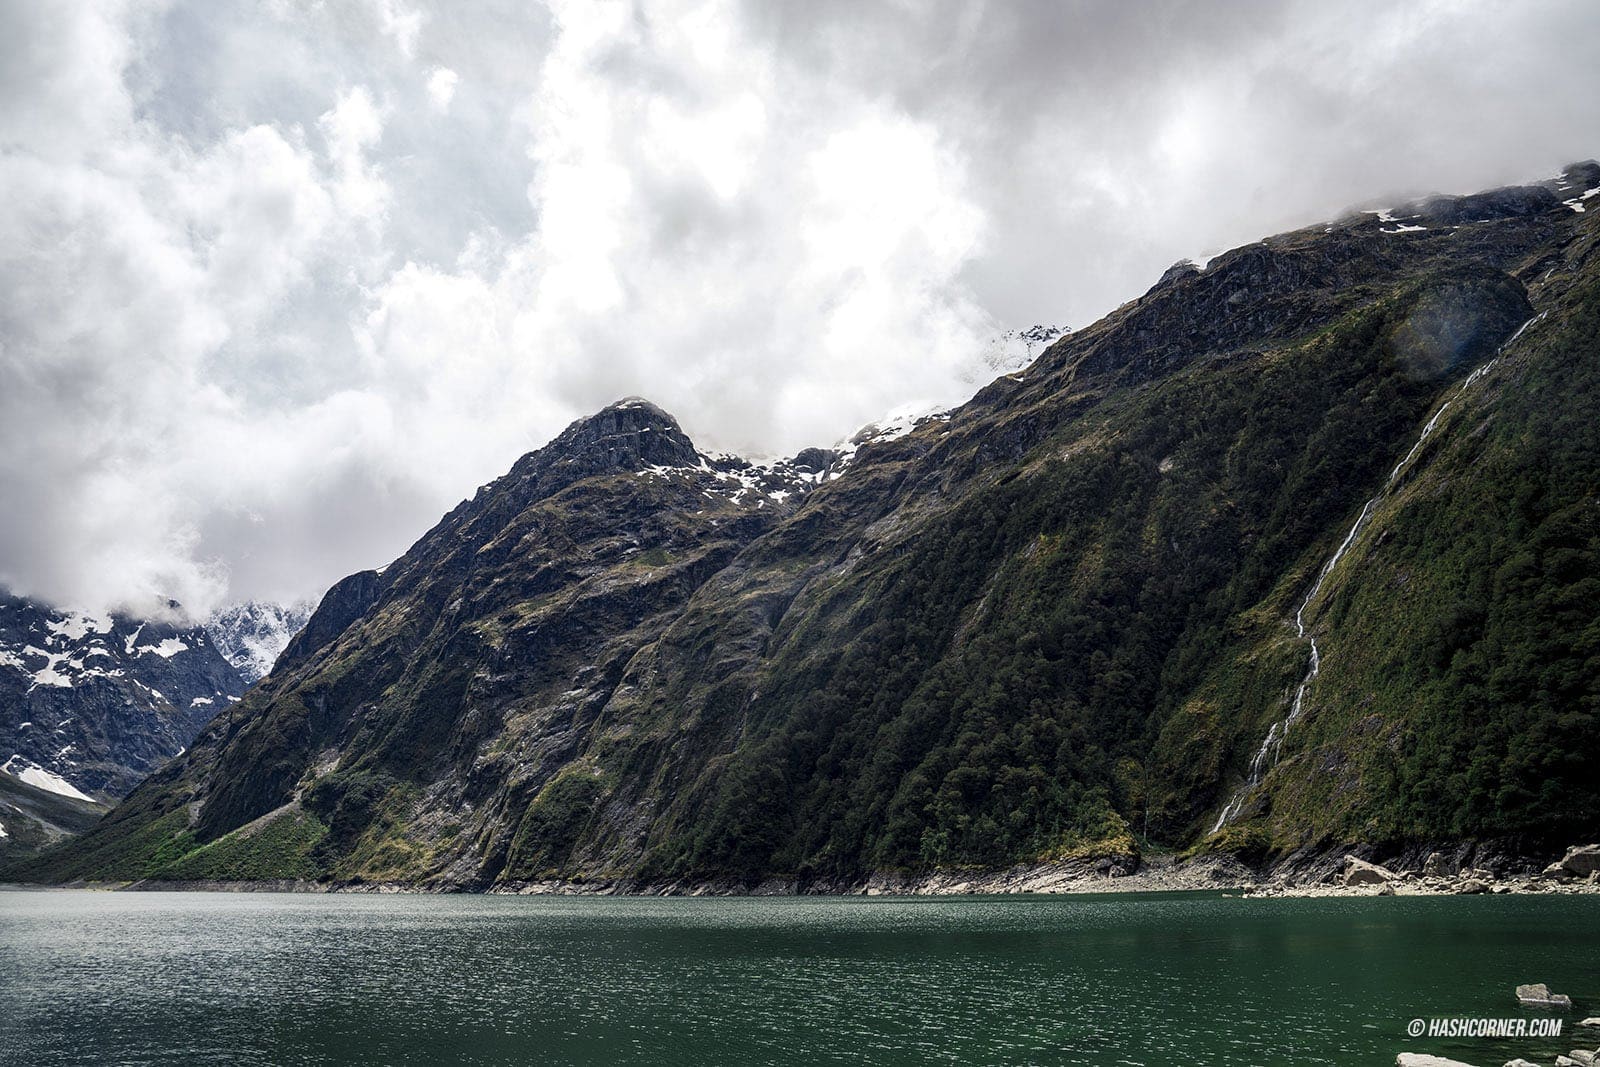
x=281 y=282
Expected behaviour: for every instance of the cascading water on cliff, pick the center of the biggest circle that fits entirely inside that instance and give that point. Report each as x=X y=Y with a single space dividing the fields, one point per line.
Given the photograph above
x=1267 y=754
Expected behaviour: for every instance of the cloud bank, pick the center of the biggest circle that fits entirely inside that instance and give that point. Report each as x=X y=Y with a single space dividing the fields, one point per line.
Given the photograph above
x=283 y=282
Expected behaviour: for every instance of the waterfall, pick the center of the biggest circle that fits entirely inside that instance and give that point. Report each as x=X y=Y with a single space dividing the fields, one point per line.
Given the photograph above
x=1273 y=744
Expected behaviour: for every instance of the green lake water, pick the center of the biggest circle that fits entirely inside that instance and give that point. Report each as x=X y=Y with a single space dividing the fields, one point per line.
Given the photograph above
x=133 y=978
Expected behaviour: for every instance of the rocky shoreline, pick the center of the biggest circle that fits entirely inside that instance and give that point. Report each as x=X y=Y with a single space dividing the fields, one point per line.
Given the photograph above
x=1577 y=871
x=1327 y=874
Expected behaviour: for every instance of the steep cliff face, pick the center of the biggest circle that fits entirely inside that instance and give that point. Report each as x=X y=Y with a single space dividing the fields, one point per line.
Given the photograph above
x=1055 y=622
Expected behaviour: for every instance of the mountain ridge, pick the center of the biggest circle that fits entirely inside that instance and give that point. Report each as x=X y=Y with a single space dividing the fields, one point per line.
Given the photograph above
x=1048 y=625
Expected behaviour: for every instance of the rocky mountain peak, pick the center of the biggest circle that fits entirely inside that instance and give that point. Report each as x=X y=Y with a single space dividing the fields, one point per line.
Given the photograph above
x=629 y=435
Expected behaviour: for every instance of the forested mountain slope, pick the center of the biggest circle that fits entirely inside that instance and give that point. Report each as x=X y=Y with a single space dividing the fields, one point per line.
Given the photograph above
x=1092 y=607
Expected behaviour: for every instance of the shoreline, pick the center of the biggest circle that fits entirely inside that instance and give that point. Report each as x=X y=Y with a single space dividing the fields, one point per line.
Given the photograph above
x=1323 y=876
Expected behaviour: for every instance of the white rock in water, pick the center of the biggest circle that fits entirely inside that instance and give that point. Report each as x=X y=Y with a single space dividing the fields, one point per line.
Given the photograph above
x=1520 y=1063
x=1422 y=1059
x=1593 y=1020
x=1538 y=995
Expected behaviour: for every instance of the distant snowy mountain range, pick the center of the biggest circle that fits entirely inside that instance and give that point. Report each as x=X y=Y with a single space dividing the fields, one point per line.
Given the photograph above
x=90 y=704
x=251 y=635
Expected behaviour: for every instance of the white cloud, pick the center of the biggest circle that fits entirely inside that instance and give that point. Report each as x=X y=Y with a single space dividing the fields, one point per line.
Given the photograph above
x=442 y=88
x=264 y=316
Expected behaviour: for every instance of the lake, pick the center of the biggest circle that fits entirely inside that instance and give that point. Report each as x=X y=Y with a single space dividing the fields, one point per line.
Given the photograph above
x=1178 y=978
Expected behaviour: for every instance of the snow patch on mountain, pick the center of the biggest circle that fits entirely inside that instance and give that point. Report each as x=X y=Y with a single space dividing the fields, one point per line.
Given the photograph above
x=1014 y=350
x=27 y=771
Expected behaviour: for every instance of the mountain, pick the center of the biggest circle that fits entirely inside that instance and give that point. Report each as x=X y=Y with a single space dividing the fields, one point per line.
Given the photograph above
x=251 y=635
x=90 y=705
x=1298 y=551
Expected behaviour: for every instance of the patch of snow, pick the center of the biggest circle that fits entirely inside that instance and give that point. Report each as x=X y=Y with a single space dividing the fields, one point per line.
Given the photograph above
x=166 y=648
x=76 y=626
x=1403 y=228
x=3 y=830
x=127 y=646
x=28 y=771
x=199 y=702
x=1015 y=349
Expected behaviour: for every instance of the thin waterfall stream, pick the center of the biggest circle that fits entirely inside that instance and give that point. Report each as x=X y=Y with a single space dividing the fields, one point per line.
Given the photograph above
x=1272 y=745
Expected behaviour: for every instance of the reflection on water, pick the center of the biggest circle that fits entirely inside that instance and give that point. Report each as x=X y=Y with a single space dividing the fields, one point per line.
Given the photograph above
x=1152 y=979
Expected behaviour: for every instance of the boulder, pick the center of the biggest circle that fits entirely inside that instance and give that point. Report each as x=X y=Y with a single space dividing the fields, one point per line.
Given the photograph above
x=1538 y=995
x=1435 y=866
x=1520 y=1063
x=1557 y=872
x=1593 y=1020
x=1582 y=860
x=1423 y=1059
x=1360 y=872
x=1585 y=1057
x=1472 y=885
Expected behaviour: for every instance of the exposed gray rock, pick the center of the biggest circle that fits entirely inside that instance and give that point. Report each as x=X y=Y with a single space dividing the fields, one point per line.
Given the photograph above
x=1360 y=872
x=1472 y=885
x=1435 y=866
x=1423 y=1059
x=1538 y=995
x=1582 y=860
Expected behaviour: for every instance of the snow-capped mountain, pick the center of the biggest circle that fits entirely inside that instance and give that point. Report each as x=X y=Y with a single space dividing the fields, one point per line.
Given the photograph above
x=91 y=704
x=251 y=635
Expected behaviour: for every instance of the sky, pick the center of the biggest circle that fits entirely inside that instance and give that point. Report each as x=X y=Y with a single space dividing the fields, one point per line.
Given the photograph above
x=281 y=282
